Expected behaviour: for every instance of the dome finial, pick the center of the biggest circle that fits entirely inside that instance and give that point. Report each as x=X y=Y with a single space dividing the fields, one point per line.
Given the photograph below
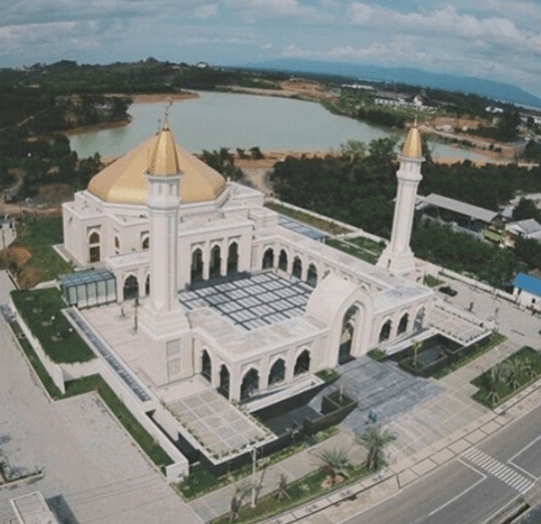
x=166 y=115
x=413 y=147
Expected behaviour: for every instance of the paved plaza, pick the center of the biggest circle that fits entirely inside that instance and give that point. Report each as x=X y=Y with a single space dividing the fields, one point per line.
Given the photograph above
x=252 y=302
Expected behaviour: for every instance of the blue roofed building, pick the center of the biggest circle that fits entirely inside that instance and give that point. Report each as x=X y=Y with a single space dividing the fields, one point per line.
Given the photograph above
x=527 y=291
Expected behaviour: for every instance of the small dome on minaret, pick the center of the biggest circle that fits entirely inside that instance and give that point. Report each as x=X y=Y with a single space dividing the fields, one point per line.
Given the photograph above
x=413 y=147
x=163 y=158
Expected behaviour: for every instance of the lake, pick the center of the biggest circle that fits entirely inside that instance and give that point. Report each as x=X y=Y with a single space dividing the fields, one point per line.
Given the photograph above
x=236 y=120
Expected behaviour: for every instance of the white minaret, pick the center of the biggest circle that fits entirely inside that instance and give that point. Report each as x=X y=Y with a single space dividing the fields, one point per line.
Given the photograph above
x=397 y=257
x=163 y=326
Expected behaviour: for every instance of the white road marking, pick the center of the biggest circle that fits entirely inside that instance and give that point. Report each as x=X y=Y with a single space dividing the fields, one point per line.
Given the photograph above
x=499 y=470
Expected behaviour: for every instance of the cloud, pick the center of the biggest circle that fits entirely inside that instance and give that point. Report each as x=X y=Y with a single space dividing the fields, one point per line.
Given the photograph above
x=279 y=9
x=206 y=11
x=15 y=36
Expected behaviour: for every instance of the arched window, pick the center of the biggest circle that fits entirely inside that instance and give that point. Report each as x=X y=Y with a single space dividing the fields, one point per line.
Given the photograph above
x=206 y=365
x=403 y=324
x=94 y=254
x=131 y=288
x=268 y=258
x=224 y=381
x=278 y=372
x=419 y=317
x=282 y=260
x=385 y=331
x=147 y=285
x=250 y=384
x=349 y=323
x=117 y=244
x=197 y=265
x=297 y=267
x=233 y=258
x=311 y=277
x=146 y=243
x=215 y=262
x=302 y=364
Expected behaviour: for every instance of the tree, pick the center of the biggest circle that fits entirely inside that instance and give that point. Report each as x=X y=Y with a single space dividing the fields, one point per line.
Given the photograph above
x=525 y=209
x=353 y=150
x=281 y=491
x=333 y=462
x=235 y=504
x=416 y=346
x=514 y=371
x=375 y=440
x=256 y=153
x=496 y=375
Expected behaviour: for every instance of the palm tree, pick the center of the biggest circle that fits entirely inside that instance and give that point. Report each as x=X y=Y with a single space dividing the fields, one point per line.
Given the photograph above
x=496 y=375
x=514 y=368
x=529 y=368
x=374 y=440
x=235 y=504
x=281 y=491
x=416 y=346
x=333 y=461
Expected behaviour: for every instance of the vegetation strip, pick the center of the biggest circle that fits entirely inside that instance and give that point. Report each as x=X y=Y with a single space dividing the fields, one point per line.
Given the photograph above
x=504 y=380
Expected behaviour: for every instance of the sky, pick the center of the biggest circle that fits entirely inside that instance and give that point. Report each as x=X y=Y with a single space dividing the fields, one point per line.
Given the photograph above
x=493 y=39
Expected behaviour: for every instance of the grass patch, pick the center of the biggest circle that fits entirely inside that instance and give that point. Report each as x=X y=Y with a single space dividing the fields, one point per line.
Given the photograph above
x=504 y=389
x=494 y=340
x=355 y=251
x=35 y=362
x=300 y=491
x=367 y=243
x=328 y=375
x=325 y=225
x=431 y=281
x=38 y=235
x=377 y=354
x=41 y=312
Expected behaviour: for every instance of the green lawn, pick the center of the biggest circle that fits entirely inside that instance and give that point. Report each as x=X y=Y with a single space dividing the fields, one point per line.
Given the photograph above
x=41 y=312
x=358 y=252
x=325 y=225
x=38 y=235
x=504 y=388
x=366 y=243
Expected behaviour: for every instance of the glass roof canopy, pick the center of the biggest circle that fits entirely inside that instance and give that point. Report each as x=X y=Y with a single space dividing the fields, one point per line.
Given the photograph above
x=303 y=229
x=88 y=288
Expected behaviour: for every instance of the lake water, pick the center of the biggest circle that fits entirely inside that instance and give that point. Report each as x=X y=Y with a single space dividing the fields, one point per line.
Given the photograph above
x=235 y=120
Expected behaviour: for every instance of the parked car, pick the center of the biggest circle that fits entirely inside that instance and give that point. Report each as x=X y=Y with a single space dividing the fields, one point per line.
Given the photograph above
x=448 y=290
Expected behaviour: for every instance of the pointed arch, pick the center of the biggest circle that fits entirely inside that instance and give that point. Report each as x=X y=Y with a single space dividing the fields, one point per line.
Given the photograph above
x=147 y=285
x=349 y=323
x=94 y=247
x=282 y=260
x=268 y=258
x=250 y=384
x=215 y=261
x=311 y=277
x=225 y=380
x=302 y=364
x=297 y=267
x=197 y=265
x=130 y=289
x=206 y=365
x=277 y=372
x=233 y=258
x=403 y=324
x=385 y=331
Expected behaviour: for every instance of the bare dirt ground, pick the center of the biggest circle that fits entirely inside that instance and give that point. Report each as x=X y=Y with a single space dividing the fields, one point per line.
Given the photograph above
x=290 y=88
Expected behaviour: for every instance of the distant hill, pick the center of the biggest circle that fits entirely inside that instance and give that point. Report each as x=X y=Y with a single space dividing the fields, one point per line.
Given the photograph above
x=478 y=86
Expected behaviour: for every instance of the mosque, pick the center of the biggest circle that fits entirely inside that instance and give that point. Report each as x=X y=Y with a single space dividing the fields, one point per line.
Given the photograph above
x=226 y=290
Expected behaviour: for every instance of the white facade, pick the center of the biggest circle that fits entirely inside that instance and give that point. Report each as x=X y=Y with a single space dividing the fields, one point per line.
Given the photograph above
x=354 y=307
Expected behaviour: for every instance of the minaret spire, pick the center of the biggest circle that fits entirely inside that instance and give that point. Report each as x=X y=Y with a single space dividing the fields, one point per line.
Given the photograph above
x=397 y=257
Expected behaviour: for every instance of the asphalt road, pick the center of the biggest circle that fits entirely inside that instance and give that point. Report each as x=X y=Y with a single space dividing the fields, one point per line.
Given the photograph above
x=473 y=487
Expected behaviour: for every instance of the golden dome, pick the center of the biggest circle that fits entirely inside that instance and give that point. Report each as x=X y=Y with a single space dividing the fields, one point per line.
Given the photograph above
x=124 y=181
x=413 y=146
